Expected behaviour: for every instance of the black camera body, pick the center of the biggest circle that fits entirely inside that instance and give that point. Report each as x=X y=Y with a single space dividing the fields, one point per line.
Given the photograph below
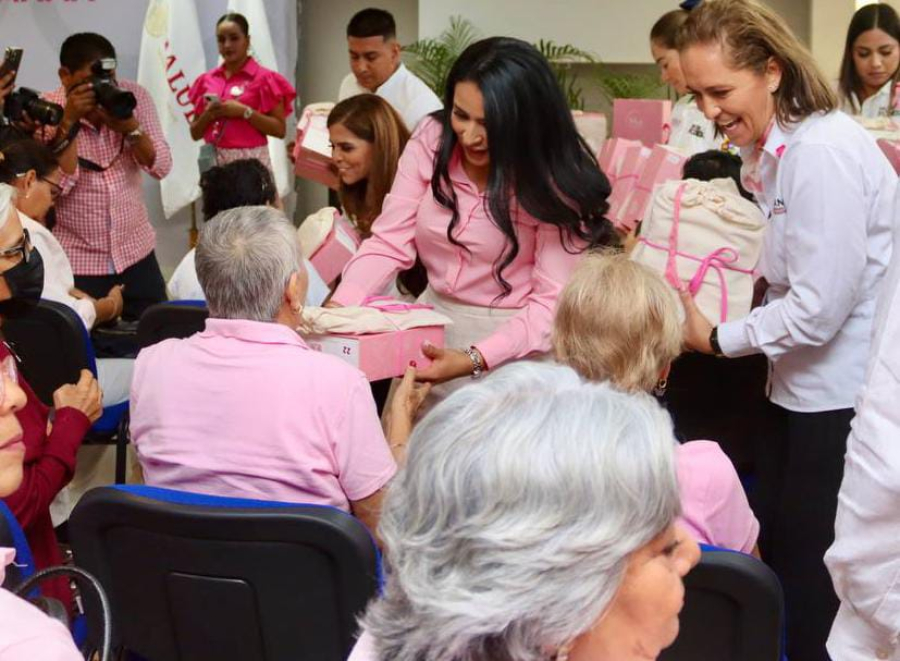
x=27 y=101
x=117 y=102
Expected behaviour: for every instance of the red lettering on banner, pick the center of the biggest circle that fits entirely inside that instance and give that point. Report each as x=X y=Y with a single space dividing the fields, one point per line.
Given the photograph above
x=182 y=91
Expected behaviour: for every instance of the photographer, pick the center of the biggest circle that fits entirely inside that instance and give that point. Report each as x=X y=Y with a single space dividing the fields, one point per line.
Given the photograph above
x=109 y=133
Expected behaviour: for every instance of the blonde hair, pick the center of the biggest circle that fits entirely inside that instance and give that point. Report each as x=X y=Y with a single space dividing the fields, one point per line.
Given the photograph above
x=617 y=321
x=750 y=34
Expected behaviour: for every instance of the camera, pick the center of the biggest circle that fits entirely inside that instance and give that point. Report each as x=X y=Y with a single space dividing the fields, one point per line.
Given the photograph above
x=117 y=102
x=25 y=100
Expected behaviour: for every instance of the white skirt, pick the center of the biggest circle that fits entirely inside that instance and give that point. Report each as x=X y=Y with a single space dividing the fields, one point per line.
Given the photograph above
x=471 y=324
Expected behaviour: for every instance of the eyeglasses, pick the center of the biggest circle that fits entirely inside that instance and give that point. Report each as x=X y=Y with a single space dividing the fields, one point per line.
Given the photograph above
x=8 y=370
x=22 y=248
x=55 y=188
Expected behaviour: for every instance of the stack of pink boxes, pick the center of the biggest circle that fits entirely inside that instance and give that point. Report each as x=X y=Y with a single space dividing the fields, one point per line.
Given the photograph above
x=635 y=159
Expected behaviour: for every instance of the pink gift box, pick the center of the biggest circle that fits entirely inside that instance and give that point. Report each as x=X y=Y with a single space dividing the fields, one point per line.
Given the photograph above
x=891 y=149
x=629 y=172
x=647 y=120
x=380 y=355
x=336 y=250
x=312 y=149
x=612 y=154
x=664 y=165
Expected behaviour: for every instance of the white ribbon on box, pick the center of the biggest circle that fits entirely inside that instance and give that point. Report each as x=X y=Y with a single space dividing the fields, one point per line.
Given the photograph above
x=377 y=314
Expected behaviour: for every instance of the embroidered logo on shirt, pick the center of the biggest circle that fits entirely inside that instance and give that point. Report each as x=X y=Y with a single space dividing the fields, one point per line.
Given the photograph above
x=778 y=207
x=696 y=130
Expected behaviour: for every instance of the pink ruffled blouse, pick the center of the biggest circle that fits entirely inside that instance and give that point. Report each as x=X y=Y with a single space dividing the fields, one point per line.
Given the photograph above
x=254 y=86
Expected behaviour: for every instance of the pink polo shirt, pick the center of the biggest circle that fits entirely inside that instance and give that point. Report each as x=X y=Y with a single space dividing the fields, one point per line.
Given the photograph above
x=26 y=634
x=412 y=222
x=714 y=507
x=253 y=85
x=246 y=409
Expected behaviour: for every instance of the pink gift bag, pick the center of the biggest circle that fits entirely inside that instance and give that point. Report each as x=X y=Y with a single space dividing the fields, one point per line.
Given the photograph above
x=664 y=164
x=339 y=246
x=632 y=164
x=647 y=120
x=312 y=148
x=380 y=355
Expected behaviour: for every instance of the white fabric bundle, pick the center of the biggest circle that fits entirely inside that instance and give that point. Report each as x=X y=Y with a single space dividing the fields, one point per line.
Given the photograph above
x=706 y=234
x=314 y=229
x=379 y=315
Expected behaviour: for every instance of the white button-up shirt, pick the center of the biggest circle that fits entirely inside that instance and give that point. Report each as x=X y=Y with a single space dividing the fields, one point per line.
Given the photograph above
x=884 y=103
x=405 y=91
x=865 y=558
x=828 y=192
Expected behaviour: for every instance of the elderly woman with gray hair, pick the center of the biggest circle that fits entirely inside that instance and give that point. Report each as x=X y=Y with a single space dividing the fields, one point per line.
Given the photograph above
x=534 y=520
x=245 y=408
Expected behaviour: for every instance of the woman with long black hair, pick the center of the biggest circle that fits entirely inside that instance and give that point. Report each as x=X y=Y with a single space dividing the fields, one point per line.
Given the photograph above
x=498 y=196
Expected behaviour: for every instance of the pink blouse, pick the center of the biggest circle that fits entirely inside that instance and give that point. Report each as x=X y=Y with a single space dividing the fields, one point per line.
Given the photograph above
x=254 y=86
x=412 y=222
x=714 y=507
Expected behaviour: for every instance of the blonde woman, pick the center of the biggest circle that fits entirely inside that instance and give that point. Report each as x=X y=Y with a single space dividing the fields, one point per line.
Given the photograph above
x=828 y=192
x=617 y=321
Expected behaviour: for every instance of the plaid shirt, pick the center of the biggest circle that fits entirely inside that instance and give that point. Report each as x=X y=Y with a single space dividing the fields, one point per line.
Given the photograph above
x=101 y=217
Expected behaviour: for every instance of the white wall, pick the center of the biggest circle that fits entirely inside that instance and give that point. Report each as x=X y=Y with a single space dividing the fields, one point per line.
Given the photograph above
x=614 y=31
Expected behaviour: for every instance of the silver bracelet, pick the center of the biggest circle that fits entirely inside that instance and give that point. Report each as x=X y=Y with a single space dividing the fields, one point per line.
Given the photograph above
x=477 y=362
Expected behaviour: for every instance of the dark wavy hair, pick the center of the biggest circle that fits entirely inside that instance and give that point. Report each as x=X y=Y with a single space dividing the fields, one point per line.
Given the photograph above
x=242 y=183
x=870 y=17
x=537 y=158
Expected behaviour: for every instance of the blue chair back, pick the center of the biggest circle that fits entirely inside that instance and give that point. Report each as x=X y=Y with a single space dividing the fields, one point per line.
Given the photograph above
x=733 y=609
x=12 y=536
x=207 y=578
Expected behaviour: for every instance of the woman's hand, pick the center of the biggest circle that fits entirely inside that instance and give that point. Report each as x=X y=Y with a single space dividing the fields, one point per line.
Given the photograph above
x=85 y=396
x=696 y=327
x=446 y=364
x=232 y=109
x=405 y=403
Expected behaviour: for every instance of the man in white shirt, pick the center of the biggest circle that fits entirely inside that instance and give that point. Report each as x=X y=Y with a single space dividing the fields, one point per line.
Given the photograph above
x=377 y=68
x=864 y=560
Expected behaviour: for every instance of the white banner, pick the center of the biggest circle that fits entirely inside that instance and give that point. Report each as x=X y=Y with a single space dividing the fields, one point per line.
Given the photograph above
x=264 y=51
x=171 y=58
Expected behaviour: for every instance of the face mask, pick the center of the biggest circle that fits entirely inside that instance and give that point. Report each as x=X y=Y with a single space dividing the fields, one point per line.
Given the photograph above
x=26 y=279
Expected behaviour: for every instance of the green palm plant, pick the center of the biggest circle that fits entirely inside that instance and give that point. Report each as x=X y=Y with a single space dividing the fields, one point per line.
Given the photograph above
x=562 y=57
x=432 y=59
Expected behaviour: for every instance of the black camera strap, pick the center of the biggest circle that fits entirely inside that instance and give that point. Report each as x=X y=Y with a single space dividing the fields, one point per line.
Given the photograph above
x=90 y=166
x=63 y=144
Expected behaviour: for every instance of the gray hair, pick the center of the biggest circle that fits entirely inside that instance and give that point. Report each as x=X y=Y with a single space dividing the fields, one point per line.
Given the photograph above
x=245 y=258
x=508 y=532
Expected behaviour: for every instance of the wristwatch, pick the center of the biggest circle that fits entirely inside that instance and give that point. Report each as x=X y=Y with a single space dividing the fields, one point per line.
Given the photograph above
x=134 y=135
x=714 y=342
x=477 y=362
x=248 y=113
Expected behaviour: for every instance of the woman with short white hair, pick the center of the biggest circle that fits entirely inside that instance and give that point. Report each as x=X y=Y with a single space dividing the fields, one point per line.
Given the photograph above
x=534 y=520
x=246 y=408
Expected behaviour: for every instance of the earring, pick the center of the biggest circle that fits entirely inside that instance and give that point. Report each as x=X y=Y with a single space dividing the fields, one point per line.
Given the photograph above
x=563 y=653
x=660 y=389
